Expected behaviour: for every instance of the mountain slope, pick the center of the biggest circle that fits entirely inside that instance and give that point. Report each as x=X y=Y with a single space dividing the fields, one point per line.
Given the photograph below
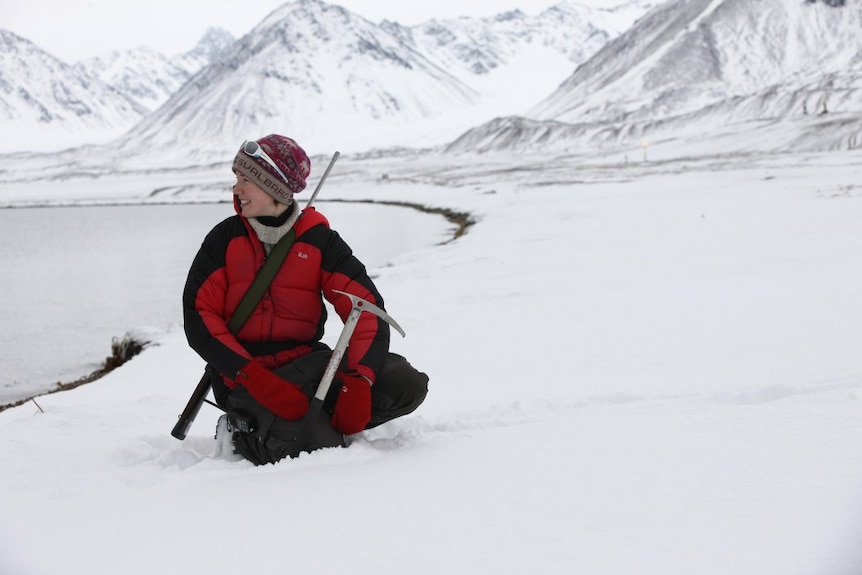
x=331 y=78
x=692 y=53
x=309 y=68
x=513 y=58
x=474 y=47
x=37 y=90
x=149 y=77
x=47 y=104
x=709 y=68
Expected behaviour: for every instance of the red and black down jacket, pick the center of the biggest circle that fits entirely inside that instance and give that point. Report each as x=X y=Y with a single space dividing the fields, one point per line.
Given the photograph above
x=291 y=315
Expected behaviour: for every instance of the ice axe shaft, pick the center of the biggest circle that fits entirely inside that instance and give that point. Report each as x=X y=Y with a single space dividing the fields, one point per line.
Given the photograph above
x=193 y=406
x=359 y=306
x=322 y=179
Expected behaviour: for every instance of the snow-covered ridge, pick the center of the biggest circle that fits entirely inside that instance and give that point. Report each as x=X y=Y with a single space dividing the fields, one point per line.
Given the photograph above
x=786 y=73
x=150 y=77
x=38 y=90
x=312 y=69
x=693 y=67
x=692 y=53
x=48 y=104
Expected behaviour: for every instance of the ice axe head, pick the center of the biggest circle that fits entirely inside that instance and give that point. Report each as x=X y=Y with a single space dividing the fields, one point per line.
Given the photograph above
x=360 y=305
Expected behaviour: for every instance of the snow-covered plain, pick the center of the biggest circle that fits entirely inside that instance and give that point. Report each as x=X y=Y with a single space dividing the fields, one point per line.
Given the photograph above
x=646 y=368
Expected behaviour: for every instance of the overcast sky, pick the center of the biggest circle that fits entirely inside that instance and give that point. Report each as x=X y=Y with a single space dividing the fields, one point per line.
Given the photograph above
x=76 y=29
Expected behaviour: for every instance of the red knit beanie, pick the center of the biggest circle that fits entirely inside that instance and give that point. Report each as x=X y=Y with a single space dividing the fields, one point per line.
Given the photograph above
x=287 y=155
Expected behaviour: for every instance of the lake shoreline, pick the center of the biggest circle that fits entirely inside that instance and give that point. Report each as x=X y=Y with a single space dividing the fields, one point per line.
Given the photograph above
x=122 y=350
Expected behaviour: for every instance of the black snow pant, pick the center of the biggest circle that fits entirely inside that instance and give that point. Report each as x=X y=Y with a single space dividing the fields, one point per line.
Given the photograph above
x=398 y=390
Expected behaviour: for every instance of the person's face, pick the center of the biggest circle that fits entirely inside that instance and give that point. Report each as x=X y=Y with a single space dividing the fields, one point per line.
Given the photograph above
x=253 y=201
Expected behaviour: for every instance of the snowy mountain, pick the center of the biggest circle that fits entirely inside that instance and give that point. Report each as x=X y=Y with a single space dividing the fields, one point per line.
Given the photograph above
x=332 y=78
x=209 y=48
x=309 y=68
x=149 y=77
x=48 y=104
x=693 y=53
x=698 y=66
x=474 y=47
x=37 y=90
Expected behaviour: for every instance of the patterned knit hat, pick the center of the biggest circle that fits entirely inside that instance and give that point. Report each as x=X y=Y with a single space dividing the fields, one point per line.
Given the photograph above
x=287 y=157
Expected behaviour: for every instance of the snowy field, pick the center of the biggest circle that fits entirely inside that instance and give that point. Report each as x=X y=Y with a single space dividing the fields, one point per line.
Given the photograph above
x=643 y=368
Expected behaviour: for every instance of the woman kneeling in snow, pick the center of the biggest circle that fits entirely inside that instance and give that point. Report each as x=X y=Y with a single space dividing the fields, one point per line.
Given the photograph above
x=268 y=371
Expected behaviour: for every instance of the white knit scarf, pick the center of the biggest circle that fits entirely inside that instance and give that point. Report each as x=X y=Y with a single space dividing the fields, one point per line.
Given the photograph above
x=269 y=235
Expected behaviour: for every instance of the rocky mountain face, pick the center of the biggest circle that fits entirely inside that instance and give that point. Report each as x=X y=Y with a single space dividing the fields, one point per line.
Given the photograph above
x=709 y=67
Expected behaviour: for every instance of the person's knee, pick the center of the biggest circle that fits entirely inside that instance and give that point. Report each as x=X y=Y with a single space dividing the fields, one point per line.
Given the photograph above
x=403 y=382
x=418 y=388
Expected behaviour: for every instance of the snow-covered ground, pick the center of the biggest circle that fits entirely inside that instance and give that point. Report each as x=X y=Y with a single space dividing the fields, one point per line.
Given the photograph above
x=646 y=368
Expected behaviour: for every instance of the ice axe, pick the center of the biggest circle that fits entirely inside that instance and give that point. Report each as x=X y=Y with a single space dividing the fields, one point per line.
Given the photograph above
x=359 y=305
